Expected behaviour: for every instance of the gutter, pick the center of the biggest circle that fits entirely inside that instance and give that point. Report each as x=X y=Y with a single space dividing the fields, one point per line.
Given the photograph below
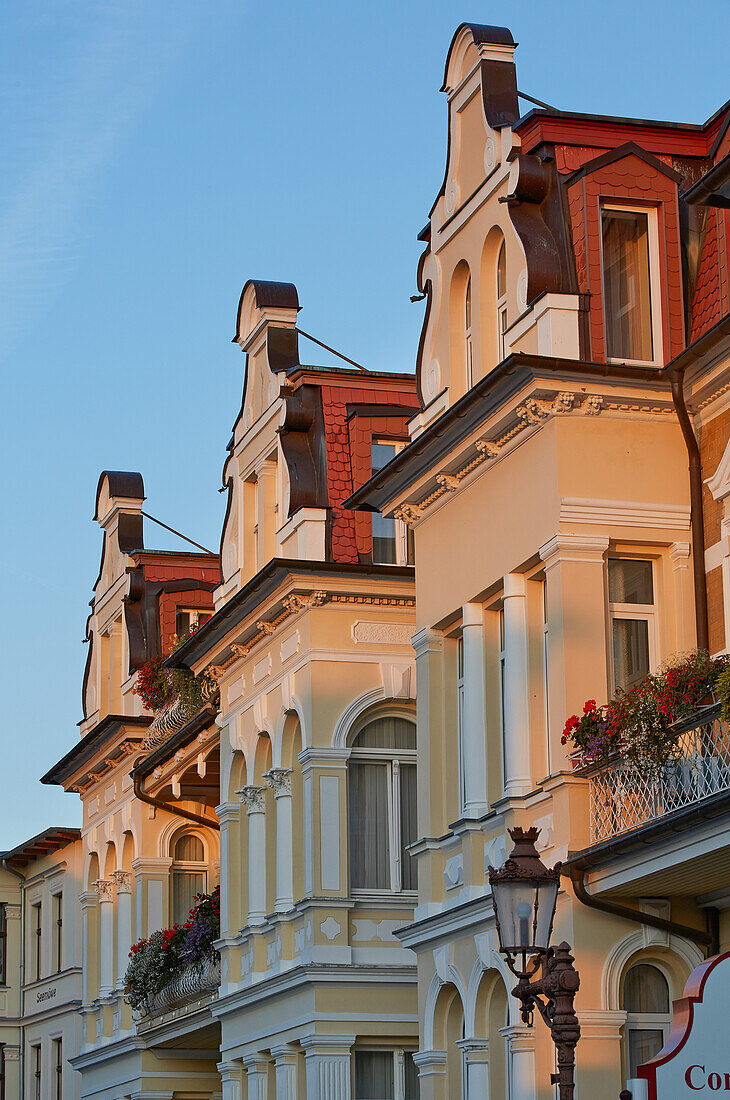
x=21 y=994
x=708 y=940
x=160 y=805
x=697 y=522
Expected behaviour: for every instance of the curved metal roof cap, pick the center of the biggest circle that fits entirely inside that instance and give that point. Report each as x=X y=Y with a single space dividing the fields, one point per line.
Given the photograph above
x=268 y=293
x=482 y=35
x=122 y=483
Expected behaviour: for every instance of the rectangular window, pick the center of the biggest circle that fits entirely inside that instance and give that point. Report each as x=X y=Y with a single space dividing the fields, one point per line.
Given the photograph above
x=632 y=618
x=58 y=948
x=502 y=674
x=58 y=1062
x=392 y=539
x=382 y=825
x=627 y=290
x=38 y=935
x=36 y=1062
x=3 y=945
x=546 y=671
x=187 y=619
x=186 y=885
x=385 y=1075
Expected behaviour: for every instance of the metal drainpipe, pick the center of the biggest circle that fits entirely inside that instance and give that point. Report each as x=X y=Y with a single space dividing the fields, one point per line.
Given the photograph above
x=21 y=995
x=707 y=940
x=160 y=805
x=676 y=377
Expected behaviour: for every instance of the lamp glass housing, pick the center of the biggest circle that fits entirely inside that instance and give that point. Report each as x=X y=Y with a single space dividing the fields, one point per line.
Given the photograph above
x=525 y=912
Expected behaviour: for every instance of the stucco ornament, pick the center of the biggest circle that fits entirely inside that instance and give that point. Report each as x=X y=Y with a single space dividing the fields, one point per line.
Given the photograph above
x=253 y=798
x=432 y=380
x=279 y=779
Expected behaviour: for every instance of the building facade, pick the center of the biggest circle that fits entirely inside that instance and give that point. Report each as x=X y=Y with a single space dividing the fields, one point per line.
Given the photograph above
x=575 y=272
x=40 y=963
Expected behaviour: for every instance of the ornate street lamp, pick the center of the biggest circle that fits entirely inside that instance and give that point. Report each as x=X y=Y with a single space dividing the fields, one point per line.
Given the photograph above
x=525 y=894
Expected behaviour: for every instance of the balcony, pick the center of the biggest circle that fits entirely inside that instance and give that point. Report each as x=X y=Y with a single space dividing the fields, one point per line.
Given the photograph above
x=624 y=796
x=192 y=983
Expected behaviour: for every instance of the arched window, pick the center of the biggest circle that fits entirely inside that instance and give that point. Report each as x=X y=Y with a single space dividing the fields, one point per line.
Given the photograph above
x=502 y=300
x=467 y=336
x=382 y=803
x=646 y=1001
x=188 y=875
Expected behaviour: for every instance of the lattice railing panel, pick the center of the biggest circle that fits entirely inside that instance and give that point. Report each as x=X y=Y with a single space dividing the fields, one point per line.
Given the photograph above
x=625 y=796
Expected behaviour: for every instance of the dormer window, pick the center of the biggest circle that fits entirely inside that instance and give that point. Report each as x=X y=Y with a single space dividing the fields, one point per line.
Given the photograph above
x=467 y=336
x=502 y=301
x=630 y=293
x=392 y=539
x=189 y=618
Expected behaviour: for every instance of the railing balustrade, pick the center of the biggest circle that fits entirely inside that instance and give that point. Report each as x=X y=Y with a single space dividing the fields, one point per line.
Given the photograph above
x=194 y=981
x=624 y=796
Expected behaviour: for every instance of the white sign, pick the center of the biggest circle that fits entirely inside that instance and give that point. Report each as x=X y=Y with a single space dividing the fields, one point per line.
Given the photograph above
x=696 y=1058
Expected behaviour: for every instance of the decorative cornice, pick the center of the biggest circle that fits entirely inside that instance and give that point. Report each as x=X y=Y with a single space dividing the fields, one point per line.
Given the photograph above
x=532 y=413
x=565 y=547
x=625 y=513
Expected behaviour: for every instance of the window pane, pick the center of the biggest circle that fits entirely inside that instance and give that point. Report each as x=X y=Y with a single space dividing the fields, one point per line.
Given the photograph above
x=380 y=455
x=645 y=990
x=643 y=1045
x=189 y=849
x=387 y=733
x=630 y=581
x=626 y=285
x=630 y=652
x=185 y=886
x=383 y=539
x=369 y=839
x=374 y=1079
x=412 y=1090
x=467 y=306
x=502 y=272
x=408 y=825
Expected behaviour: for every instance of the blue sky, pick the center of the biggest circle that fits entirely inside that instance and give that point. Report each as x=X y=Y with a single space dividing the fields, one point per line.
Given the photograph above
x=156 y=154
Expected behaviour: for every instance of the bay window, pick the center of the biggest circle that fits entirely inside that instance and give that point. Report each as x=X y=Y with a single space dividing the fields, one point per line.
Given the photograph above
x=382 y=805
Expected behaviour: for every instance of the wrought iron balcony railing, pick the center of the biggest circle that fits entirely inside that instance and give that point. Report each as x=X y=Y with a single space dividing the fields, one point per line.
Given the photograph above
x=624 y=796
x=195 y=981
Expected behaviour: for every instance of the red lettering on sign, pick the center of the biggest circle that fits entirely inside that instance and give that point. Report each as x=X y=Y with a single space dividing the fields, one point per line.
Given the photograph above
x=688 y=1078
x=714 y=1081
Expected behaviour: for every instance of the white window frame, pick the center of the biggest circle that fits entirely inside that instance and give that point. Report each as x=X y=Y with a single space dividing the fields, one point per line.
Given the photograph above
x=392 y=759
x=468 y=346
x=640 y=612
x=460 y=721
x=646 y=1021
x=502 y=650
x=546 y=669
x=57 y=906
x=194 y=613
x=401 y=528
x=652 y=224
x=399 y=1067
x=501 y=306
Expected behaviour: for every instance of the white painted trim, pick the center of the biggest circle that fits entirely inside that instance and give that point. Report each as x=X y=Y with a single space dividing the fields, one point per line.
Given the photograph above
x=352 y=712
x=632 y=944
x=625 y=513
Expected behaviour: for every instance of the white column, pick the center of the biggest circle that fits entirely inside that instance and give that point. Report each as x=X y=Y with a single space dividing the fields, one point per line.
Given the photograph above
x=521 y=1061
x=106 y=936
x=257 y=1073
x=231 y=1080
x=476 y=1068
x=474 y=732
x=124 y=922
x=280 y=780
x=285 y=1061
x=228 y=814
x=88 y=900
x=431 y=1072
x=254 y=799
x=516 y=689
x=328 y=1066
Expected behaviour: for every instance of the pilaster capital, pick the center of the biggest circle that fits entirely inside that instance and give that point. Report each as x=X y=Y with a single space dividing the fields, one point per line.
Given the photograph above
x=253 y=798
x=104 y=888
x=514 y=584
x=324 y=756
x=519 y=1036
x=472 y=614
x=279 y=779
x=327 y=1044
x=475 y=1050
x=12 y=911
x=256 y=1062
x=228 y=811
x=122 y=881
x=431 y=1063
x=284 y=1054
x=88 y=899
x=575 y=548
x=11 y=1054
x=427 y=640
x=679 y=553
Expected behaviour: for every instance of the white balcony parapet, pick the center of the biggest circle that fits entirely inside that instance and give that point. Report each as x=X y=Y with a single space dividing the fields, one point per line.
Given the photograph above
x=625 y=796
x=194 y=981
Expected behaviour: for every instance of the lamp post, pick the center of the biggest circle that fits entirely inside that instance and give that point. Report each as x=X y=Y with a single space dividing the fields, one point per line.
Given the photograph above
x=525 y=894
